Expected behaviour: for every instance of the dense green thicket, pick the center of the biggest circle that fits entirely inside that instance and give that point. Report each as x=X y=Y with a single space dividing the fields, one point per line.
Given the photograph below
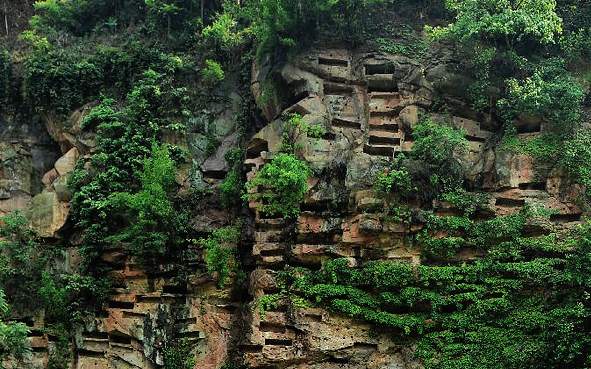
x=13 y=335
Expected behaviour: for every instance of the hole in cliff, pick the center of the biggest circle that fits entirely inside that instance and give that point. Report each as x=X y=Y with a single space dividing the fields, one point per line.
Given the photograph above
x=509 y=203
x=35 y=333
x=215 y=174
x=329 y=136
x=275 y=252
x=537 y=186
x=257 y=146
x=191 y=335
x=341 y=123
x=372 y=69
x=333 y=62
x=121 y=305
x=116 y=338
x=384 y=127
x=296 y=99
x=180 y=289
x=337 y=89
x=277 y=342
x=313 y=317
x=27 y=320
x=251 y=349
x=272 y=327
x=475 y=139
x=534 y=230
x=88 y=353
x=529 y=128
x=565 y=218
x=131 y=315
x=449 y=212
x=378 y=150
x=365 y=346
x=380 y=140
x=38 y=349
x=382 y=87
x=186 y=321
x=95 y=335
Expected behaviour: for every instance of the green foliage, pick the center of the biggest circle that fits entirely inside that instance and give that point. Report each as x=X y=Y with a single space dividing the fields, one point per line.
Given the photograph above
x=575 y=158
x=212 y=73
x=280 y=185
x=437 y=143
x=179 y=354
x=22 y=259
x=293 y=128
x=576 y=44
x=55 y=299
x=153 y=218
x=504 y=310
x=395 y=179
x=5 y=71
x=232 y=187
x=13 y=336
x=59 y=357
x=285 y=23
x=549 y=92
x=503 y=21
x=220 y=250
x=225 y=33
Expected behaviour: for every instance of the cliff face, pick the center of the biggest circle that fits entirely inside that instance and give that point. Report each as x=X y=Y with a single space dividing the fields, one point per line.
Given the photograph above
x=368 y=102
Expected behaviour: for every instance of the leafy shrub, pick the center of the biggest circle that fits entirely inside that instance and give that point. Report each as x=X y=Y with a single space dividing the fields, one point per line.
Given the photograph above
x=5 y=68
x=285 y=23
x=550 y=91
x=153 y=217
x=395 y=179
x=220 y=249
x=281 y=185
x=504 y=21
x=232 y=187
x=225 y=33
x=179 y=354
x=537 y=309
x=212 y=73
x=21 y=261
x=13 y=336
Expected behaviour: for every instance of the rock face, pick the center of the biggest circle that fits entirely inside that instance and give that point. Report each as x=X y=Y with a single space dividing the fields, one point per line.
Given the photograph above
x=368 y=104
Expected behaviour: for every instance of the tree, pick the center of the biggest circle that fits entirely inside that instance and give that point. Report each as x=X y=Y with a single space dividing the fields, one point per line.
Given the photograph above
x=505 y=21
x=13 y=335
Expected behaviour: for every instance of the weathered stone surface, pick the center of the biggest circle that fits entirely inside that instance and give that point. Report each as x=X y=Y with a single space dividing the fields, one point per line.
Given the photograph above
x=67 y=162
x=48 y=214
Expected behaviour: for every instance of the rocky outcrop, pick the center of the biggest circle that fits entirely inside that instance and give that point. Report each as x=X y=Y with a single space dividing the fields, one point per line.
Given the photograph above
x=368 y=104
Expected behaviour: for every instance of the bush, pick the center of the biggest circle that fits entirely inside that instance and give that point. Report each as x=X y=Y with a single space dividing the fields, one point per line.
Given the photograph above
x=212 y=73
x=504 y=21
x=5 y=68
x=153 y=218
x=21 y=261
x=13 y=336
x=220 y=249
x=549 y=92
x=232 y=187
x=281 y=185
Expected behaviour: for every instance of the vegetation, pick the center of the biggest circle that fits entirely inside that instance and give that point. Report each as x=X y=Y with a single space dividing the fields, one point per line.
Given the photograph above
x=220 y=251
x=13 y=336
x=179 y=354
x=144 y=70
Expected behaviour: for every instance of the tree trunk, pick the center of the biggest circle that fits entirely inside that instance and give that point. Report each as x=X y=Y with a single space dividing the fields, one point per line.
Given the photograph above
x=6 y=17
x=202 y=20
